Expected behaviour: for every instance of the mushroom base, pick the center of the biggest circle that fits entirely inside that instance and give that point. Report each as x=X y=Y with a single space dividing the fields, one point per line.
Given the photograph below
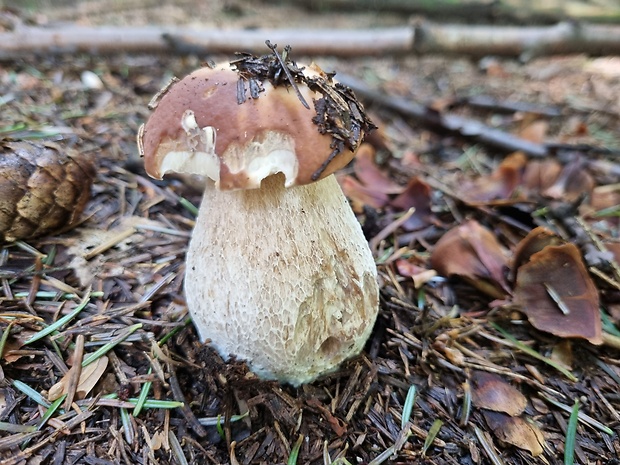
x=282 y=278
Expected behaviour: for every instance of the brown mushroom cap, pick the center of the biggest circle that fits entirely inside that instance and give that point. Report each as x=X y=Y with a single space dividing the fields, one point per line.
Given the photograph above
x=199 y=126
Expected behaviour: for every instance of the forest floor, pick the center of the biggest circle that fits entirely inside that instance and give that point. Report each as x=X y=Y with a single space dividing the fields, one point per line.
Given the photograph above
x=500 y=292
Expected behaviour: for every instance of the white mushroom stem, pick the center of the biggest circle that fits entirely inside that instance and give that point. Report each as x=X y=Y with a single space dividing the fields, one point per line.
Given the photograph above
x=282 y=278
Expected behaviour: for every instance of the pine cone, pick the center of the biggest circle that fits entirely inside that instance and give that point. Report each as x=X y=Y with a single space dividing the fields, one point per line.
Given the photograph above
x=43 y=189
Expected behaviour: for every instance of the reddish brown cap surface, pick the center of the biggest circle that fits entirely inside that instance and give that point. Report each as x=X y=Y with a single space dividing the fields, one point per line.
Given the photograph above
x=199 y=126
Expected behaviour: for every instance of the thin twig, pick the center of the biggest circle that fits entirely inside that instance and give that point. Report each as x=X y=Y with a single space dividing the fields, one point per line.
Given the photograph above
x=76 y=371
x=177 y=394
x=274 y=49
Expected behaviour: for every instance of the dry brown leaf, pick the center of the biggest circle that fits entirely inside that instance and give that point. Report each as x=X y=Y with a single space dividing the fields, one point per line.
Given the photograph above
x=411 y=160
x=408 y=269
x=417 y=194
x=372 y=185
x=421 y=279
x=516 y=431
x=499 y=185
x=369 y=174
x=540 y=175
x=536 y=240
x=473 y=253
x=16 y=339
x=562 y=353
x=573 y=182
x=557 y=294
x=535 y=131
x=14 y=343
x=158 y=440
x=361 y=195
x=90 y=376
x=420 y=275
x=605 y=196
x=490 y=391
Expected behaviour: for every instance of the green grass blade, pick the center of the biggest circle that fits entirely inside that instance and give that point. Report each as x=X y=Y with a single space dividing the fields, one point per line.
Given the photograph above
x=127 y=428
x=607 y=369
x=588 y=420
x=609 y=211
x=408 y=407
x=421 y=298
x=189 y=206
x=146 y=387
x=60 y=322
x=487 y=447
x=213 y=421
x=220 y=429
x=49 y=413
x=4 y=338
x=608 y=325
x=154 y=403
x=149 y=403
x=54 y=295
x=34 y=395
x=176 y=448
x=104 y=349
x=292 y=459
x=15 y=428
x=383 y=456
x=13 y=127
x=528 y=350
x=174 y=331
x=432 y=434
x=571 y=434
x=50 y=257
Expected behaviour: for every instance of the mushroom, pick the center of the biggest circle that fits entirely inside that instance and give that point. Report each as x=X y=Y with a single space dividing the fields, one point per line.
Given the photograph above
x=278 y=271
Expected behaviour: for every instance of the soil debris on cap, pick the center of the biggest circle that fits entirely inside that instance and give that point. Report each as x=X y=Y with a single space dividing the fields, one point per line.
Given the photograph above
x=338 y=112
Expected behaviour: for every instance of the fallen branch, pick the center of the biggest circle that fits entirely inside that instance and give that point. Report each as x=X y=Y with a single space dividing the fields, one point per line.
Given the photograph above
x=452 y=124
x=524 y=42
x=487 y=102
x=474 y=10
x=160 y=39
x=480 y=132
x=420 y=38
